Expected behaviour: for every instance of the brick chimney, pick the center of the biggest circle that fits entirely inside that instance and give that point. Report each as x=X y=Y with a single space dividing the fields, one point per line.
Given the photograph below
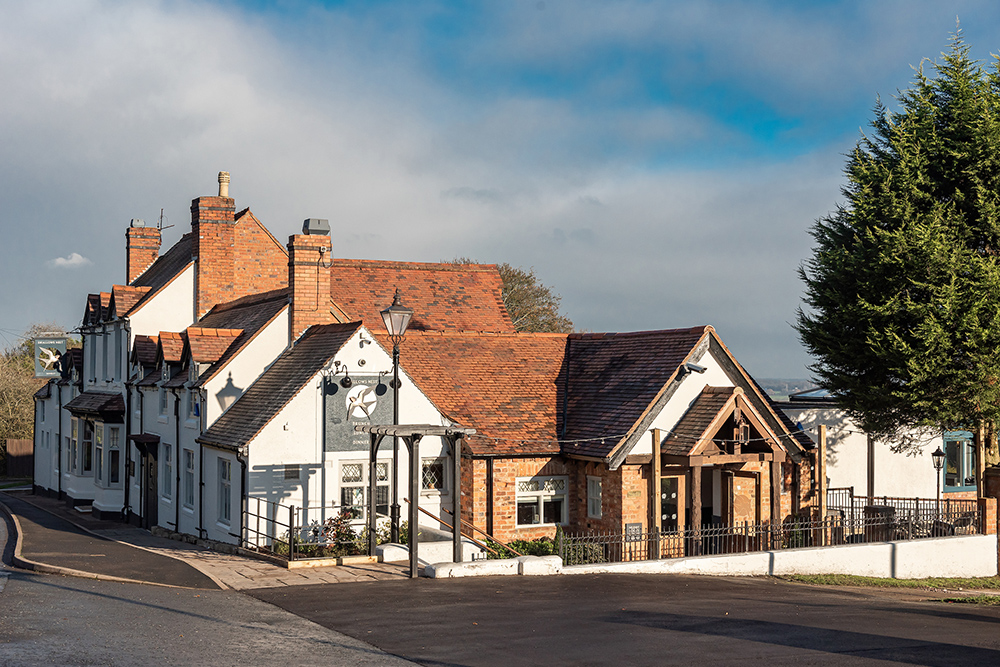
x=142 y=248
x=309 y=278
x=213 y=228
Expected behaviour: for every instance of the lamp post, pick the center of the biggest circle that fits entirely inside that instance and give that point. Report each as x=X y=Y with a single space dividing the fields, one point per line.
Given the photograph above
x=938 y=457
x=396 y=318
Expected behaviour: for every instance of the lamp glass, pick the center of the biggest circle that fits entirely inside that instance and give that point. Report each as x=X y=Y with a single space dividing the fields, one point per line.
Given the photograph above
x=938 y=458
x=396 y=317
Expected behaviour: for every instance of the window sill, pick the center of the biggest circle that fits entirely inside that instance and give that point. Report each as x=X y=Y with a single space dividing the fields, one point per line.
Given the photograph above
x=191 y=423
x=162 y=419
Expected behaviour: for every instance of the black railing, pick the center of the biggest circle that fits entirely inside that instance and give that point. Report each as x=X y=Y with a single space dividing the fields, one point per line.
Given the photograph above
x=872 y=526
x=297 y=533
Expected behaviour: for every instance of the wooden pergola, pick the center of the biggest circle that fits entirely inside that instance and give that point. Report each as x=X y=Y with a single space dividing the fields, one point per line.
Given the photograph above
x=411 y=435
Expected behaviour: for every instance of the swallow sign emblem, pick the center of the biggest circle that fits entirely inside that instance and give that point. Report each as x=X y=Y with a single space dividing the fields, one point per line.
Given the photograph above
x=361 y=401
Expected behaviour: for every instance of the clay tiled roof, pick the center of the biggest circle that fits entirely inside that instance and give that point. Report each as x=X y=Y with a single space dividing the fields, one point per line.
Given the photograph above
x=503 y=385
x=44 y=391
x=144 y=349
x=278 y=385
x=109 y=407
x=247 y=315
x=92 y=312
x=124 y=298
x=208 y=345
x=167 y=265
x=693 y=426
x=463 y=297
x=614 y=378
x=171 y=345
x=105 y=304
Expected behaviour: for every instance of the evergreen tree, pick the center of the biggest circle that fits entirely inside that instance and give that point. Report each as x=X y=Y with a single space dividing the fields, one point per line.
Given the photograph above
x=903 y=288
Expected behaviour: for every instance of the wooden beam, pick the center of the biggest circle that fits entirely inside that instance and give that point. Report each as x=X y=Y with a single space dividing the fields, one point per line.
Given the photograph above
x=655 y=502
x=820 y=471
x=638 y=459
x=775 y=492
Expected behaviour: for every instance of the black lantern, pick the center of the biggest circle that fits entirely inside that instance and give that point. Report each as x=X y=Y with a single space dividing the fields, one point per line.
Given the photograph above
x=396 y=318
x=938 y=457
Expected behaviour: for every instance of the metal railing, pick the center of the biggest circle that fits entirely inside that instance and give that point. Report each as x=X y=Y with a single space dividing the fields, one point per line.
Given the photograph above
x=297 y=533
x=873 y=526
x=844 y=501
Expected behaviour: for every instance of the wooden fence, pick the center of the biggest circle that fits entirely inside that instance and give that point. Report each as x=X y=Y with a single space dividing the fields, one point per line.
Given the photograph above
x=20 y=458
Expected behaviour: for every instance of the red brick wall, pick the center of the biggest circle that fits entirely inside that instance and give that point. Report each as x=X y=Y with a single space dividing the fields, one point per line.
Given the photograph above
x=309 y=278
x=236 y=257
x=142 y=248
x=505 y=474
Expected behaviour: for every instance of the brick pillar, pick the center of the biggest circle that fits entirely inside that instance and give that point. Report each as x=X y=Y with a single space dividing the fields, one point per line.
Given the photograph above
x=988 y=510
x=309 y=279
x=214 y=230
x=142 y=248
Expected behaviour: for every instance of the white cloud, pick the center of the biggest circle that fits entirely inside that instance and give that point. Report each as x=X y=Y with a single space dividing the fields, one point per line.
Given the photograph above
x=72 y=261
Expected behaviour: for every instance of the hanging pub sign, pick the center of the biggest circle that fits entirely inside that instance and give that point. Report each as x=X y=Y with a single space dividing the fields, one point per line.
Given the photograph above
x=48 y=353
x=366 y=400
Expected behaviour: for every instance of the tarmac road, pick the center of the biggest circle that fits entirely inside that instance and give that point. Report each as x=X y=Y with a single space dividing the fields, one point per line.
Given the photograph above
x=647 y=620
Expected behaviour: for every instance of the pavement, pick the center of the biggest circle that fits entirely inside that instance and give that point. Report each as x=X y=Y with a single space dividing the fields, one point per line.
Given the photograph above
x=55 y=538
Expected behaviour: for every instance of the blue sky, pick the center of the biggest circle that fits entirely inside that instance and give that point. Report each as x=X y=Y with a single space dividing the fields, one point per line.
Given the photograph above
x=658 y=164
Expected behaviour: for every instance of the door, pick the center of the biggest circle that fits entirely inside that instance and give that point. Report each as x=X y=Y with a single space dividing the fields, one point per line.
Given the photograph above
x=151 y=492
x=672 y=515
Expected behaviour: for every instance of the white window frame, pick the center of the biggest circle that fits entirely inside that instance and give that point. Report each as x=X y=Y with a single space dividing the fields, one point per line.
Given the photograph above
x=193 y=408
x=164 y=402
x=358 y=487
x=118 y=352
x=189 y=478
x=225 y=492
x=87 y=448
x=99 y=476
x=167 y=471
x=595 y=488
x=445 y=486
x=113 y=451
x=543 y=490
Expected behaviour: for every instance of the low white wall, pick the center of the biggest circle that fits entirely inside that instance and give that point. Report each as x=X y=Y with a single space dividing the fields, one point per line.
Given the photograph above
x=960 y=556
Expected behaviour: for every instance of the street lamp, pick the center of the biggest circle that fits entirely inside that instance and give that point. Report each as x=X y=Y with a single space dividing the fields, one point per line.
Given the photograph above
x=396 y=318
x=938 y=458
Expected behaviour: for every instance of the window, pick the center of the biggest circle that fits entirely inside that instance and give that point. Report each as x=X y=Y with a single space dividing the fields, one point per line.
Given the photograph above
x=225 y=490
x=104 y=353
x=541 y=500
x=194 y=407
x=433 y=478
x=87 y=448
x=114 y=456
x=593 y=497
x=72 y=451
x=69 y=457
x=167 y=466
x=163 y=401
x=960 y=461
x=118 y=352
x=41 y=410
x=93 y=358
x=188 y=478
x=99 y=453
x=354 y=488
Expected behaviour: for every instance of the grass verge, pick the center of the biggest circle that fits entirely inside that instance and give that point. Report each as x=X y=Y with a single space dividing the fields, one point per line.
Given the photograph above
x=974 y=583
x=988 y=600
x=8 y=483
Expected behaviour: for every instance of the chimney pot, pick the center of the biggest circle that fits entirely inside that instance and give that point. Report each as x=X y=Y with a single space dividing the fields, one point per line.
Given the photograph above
x=223 y=183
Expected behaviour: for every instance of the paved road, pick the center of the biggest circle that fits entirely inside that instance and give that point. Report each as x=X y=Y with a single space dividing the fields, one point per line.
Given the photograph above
x=56 y=620
x=646 y=620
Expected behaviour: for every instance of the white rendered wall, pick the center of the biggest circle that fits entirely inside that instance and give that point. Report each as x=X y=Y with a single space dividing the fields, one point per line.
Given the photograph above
x=295 y=436
x=243 y=369
x=906 y=475
x=171 y=309
x=690 y=388
x=960 y=556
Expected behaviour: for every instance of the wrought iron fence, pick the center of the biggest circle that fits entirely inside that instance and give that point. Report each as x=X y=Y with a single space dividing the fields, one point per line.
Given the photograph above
x=296 y=533
x=872 y=526
x=844 y=502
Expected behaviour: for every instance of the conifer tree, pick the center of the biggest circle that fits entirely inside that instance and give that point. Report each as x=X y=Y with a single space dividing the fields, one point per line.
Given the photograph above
x=903 y=288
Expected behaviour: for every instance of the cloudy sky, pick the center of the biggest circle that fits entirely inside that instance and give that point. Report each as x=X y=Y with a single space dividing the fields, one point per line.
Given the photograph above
x=658 y=163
